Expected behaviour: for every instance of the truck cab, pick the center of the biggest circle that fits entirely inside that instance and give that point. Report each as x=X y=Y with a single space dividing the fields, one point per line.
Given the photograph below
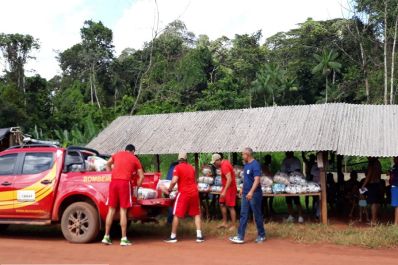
x=46 y=184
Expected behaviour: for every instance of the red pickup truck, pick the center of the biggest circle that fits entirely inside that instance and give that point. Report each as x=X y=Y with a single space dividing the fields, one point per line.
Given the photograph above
x=44 y=184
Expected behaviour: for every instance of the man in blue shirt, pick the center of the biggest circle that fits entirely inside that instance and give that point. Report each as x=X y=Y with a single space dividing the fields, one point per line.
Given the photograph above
x=251 y=198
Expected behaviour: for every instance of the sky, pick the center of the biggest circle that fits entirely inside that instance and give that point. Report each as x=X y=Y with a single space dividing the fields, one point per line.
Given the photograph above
x=57 y=23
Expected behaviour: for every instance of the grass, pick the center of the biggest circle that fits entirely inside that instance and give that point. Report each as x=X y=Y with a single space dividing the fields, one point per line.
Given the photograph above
x=382 y=236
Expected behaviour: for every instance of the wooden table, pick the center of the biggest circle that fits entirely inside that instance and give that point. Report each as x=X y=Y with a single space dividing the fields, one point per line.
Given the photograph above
x=204 y=197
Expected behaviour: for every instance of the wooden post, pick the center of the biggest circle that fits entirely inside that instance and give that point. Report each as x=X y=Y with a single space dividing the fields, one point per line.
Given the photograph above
x=340 y=174
x=197 y=165
x=157 y=163
x=322 y=164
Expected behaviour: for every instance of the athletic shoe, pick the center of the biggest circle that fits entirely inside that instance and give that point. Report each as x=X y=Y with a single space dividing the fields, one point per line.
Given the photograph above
x=290 y=219
x=171 y=240
x=107 y=240
x=236 y=240
x=301 y=219
x=125 y=242
x=260 y=239
x=200 y=239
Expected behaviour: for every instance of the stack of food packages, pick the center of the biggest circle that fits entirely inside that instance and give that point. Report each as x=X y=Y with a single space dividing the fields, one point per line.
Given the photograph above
x=293 y=183
x=217 y=184
x=205 y=180
x=266 y=184
x=164 y=185
x=239 y=177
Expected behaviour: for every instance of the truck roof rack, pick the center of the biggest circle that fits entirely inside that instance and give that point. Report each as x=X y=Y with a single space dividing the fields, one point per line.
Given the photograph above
x=32 y=146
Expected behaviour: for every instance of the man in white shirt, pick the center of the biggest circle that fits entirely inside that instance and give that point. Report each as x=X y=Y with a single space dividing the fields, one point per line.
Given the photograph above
x=291 y=164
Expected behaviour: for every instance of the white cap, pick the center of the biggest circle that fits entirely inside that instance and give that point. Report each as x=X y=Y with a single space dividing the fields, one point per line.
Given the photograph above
x=214 y=158
x=182 y=156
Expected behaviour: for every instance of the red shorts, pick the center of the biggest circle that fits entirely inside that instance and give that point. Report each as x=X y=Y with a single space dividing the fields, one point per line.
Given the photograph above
x=230 y=198
x=120 y=194
x=186 y=204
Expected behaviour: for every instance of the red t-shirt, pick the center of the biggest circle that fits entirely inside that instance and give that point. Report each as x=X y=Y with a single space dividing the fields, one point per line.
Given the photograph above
x=186 y=178
x=226 y=168
x=125 y=165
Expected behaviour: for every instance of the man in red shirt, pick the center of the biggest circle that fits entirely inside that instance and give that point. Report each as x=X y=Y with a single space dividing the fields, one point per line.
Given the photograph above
x=187 y=200
x=229 y=189
x=124 y=165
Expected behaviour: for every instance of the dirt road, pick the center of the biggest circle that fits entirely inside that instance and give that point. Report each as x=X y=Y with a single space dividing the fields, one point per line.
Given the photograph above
x=21 y=247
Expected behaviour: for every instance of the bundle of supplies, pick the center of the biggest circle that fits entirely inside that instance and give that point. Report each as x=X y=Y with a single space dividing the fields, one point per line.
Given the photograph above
x=96 y=163
x=146 y=194
x=281 y=178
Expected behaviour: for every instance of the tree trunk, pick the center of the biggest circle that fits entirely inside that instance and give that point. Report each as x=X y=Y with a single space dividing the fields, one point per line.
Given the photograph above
x=385 y=53
x=95 y=87
x=393 y=62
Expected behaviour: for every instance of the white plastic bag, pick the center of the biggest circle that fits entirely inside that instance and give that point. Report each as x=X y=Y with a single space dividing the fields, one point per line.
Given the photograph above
x=217 y=181
x=215 y=188
x=203 y=187
x=266 y=189
x=281 y=178
x=266 y=181
x=296 y=178
x=164 y=185
x=96 y=163
x=278 y=188
x=205 y=179
x=146 y=194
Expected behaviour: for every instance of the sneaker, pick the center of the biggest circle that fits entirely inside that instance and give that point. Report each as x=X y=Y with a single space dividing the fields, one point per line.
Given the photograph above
x=260 y=239
x=106 y=240
x=200 y=239
x=125 y=242
x=301 y=219
x=171 y=240
x=290 y=219
x=236 y=240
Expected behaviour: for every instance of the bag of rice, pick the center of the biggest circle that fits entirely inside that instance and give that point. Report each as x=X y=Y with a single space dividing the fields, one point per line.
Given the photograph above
x=215 y=188
x=217 y=181
x=96 y=163
x=206 y=171
x=164 y=185
x=146 y=194
x=203 y=187
x=205 y=179
x=278 y=188
x=313 y=187
x=297 y=178
x=281 y=178
x=266 y=181
x=266 y=189
x=173 y=195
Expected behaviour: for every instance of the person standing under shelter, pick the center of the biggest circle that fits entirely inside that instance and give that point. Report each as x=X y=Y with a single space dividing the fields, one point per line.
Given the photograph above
x=292 y=164
x=229 y=190
x=251 y=198
x=169 y=176
x=394 y=188
x=373 y=184
x=187 y=200
x=124 y=165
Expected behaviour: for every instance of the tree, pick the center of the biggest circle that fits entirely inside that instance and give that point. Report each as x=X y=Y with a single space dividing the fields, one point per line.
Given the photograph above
x=16 y=50
x=326 y=65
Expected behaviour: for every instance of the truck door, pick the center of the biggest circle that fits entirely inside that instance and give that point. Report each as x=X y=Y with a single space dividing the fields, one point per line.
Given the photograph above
x=34 y=185
x=7 y=188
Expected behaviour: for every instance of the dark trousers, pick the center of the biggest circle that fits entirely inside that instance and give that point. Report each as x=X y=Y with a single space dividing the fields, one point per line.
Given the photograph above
x=255 y=205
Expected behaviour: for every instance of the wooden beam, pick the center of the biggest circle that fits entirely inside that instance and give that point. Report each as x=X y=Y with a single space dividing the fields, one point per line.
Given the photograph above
x=322 y=164
x=157 y=163
x=234 y=158
x=197 y=165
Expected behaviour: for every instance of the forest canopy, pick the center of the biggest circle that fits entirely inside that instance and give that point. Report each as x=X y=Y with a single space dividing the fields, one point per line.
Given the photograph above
x=340 y=60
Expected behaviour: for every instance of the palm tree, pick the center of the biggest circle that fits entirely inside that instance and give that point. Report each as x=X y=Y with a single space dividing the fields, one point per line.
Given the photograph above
x=267 y=82
x=326 y=65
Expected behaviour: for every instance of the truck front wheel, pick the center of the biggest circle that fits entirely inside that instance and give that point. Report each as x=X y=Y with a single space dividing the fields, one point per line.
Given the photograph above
x=80 y=223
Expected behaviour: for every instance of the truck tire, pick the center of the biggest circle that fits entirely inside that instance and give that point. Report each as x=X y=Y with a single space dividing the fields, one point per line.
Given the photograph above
x=3 y=227
x=80 y=223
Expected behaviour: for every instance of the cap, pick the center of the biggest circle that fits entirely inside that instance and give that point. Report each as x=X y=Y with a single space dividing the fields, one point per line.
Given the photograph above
x=214 y=158
x=182 y=156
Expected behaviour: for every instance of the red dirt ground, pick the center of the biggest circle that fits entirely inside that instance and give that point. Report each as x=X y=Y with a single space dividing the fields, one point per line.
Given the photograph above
x=19 y=248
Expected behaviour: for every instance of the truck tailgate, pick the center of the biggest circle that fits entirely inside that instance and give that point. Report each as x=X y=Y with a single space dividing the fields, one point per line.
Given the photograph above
x=161 y=202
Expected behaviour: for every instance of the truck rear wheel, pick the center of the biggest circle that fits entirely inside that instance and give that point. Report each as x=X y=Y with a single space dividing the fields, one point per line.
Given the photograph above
x=80 y=223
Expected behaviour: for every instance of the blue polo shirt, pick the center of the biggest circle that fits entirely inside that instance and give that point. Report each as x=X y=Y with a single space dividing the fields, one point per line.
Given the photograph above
x=251 y=170
x=394 y=175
